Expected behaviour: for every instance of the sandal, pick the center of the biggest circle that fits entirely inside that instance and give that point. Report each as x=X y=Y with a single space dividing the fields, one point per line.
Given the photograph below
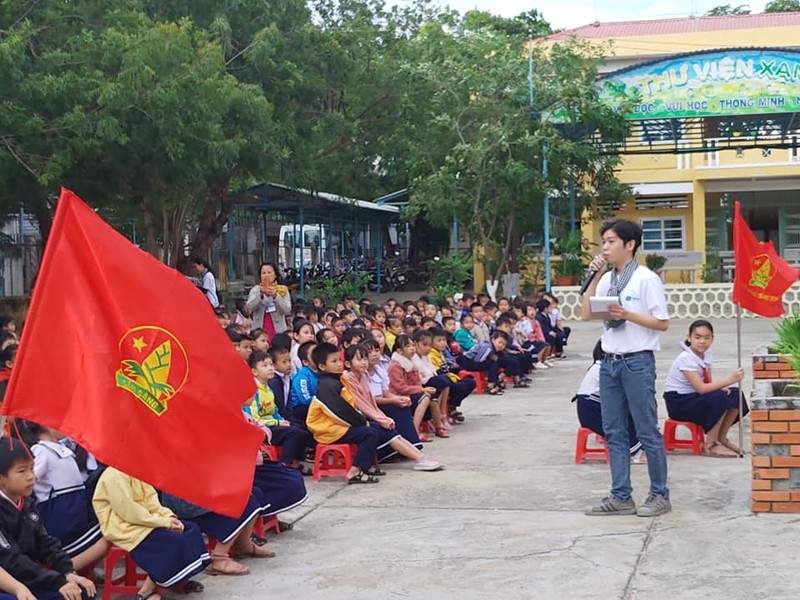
x=284 y=526
x=222 y=564
x=362 y=477
x=424 y=438
x=305 y=470
x=151 y=594
x=717 y=450
x=375 y=472
x=442 y=432
x=494 y=390
x=256 y=551
x=456 y=417
x=189 y=587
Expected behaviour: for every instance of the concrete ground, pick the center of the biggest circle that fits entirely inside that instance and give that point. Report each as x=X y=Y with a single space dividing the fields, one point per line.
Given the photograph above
x=505 y=519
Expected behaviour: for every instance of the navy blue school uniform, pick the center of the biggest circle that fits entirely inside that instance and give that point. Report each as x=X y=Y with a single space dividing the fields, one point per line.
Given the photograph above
x=221 y=528
x=590 y=415
x=63 y=504
x=170 y=557
x=385 y=437
x=403 y=418
x=553 y=336
x=280 y=385
x=280 y=487
x=27 y=552
x=704 y=409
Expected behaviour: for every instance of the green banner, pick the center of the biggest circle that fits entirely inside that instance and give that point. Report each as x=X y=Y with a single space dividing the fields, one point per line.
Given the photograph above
x=718 y=83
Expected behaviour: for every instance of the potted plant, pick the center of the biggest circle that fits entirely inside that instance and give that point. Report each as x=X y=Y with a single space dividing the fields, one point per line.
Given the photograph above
x=572 y=252
x=655 y=262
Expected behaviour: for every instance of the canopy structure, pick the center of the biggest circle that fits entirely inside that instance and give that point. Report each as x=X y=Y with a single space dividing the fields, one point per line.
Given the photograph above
x=298 y=228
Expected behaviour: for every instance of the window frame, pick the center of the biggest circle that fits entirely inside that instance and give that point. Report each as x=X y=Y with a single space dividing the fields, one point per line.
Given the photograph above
x=663 y=239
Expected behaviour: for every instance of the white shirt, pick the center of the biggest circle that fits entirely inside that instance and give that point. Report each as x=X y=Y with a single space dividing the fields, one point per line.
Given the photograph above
x=56 y=470
x=687 y=361
x=644 y=294
x=590 y=385
x=209 y=284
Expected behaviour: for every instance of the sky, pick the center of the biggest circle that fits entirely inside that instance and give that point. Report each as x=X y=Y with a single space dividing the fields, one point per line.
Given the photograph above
x=574 y=13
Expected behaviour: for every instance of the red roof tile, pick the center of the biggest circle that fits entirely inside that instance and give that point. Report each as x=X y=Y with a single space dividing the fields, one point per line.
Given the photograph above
x=622 y=29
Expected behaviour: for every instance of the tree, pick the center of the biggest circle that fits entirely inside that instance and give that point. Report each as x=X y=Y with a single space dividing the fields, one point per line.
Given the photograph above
x=480 y=155
x=777 y=6
x=728 y=9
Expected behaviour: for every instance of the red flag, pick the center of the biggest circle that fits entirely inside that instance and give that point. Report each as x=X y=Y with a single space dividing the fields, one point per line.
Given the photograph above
x=761 y=275
x=123 y=354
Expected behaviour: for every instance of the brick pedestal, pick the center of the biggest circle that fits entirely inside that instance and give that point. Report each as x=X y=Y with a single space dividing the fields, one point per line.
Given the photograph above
x=775 y=439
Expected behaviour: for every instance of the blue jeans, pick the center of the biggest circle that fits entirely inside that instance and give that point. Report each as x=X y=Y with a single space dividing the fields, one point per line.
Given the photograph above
x=628 y=386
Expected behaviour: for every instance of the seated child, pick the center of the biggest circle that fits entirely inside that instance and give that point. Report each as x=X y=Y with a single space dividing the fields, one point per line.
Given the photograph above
x=431 y=379
x=514 y=360
x=394 y=327
x=63 y=504
x=483 y=357
x=27 y=553
x=303 y=331
x=692 y=396
x=465 y=337
x=131 y=517
x=390 y=442
x=590 y=411
x=555 y=317
x=445 y=364
x=304 y=385
x=327 y=336
x=397 y=408
x=281 y=382
x=230 y=534
x=553 y=337
x=404 y=380
x=449 y=326
x=333 y=418
x=293 y=440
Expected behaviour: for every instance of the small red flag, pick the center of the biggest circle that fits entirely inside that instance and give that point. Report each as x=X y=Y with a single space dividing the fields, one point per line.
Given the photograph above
x=761 y=275
x=124 y=355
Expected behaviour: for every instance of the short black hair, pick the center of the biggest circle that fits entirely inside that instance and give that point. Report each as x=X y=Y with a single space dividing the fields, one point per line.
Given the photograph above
x=502 y=320
x=447 y=320
x=256 y=357
x=277 y=351
x=426 y=320
x=281 y=340
x=489 y=305
x=421 y=334
x=303 y=350
x=5 y=320
x=12 y=451
x=625 y=230
x=347 y=311
x=475 y=305
x=437 y=332
x=235 y=336
x=354 y=350
x=320 y=354
x=500 y=335
x=542 y=303
x=371 y=344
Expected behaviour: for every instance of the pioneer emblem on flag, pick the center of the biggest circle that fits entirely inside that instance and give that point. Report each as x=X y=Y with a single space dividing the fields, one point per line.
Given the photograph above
x=154 y=366
x=762 y=271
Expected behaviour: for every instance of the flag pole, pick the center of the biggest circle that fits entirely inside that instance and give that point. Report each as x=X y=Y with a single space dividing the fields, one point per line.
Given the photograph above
x=739 y=366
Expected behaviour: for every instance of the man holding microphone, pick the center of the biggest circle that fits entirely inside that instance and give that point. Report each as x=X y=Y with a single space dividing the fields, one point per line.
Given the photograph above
x=628 y=372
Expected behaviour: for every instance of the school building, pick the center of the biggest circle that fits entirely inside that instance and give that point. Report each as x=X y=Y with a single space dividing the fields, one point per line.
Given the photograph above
x=716 y=120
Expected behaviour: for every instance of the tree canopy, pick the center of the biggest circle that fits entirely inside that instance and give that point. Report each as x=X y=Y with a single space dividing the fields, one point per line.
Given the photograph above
x=156 y=111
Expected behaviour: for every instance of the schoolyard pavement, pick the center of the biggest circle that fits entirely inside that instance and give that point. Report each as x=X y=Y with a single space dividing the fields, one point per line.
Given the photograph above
x=505 y=519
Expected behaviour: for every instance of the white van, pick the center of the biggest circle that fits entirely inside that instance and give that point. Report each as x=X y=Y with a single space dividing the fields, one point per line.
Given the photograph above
x=312 y=244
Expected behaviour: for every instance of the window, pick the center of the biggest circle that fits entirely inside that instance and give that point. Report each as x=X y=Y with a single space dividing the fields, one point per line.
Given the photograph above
x=662 y=130
x=662 y=234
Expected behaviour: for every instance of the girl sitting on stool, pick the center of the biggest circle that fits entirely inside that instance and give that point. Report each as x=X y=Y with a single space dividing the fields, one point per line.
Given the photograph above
x=692 y=396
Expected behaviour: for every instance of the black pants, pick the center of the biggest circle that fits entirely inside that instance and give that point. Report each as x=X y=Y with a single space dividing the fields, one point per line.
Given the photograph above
x=490 y=366
x=367 y=440
x=294 y=440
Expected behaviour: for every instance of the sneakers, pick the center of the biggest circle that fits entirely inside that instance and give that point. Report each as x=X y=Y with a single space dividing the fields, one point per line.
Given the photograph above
x=427 y=463
x=541 y=365
x=611 y=506
x=655 y=505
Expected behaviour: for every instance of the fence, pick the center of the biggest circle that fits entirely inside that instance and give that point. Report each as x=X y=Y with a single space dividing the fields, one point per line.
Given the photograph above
x=685 y=301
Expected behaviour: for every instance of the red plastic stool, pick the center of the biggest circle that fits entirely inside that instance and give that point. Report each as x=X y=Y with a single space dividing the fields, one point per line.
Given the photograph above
x=267 y=523
x=671 y=442
x=333 y=460
x=582 y=449
x=478 y=376
x=274 y=452
x=129 y=582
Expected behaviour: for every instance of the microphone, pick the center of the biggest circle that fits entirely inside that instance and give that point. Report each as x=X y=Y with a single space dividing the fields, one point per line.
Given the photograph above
x=588 y=281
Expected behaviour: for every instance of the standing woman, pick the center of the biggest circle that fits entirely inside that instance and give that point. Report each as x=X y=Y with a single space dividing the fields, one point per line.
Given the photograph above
x=207 y=281
x=269 y=301
x=692 y=396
